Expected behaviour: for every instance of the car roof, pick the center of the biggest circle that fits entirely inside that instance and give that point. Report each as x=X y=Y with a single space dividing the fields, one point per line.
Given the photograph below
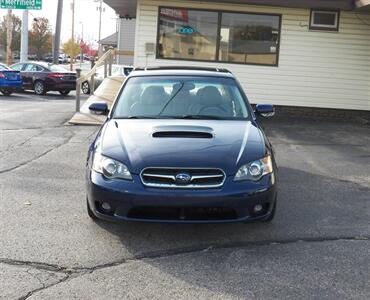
x=181 y=71
x=41 y=63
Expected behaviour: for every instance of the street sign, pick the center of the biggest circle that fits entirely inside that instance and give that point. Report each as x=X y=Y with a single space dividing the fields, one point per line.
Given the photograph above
x=21 y=4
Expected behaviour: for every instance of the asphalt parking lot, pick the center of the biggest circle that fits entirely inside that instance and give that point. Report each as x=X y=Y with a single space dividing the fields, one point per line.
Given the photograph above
x=317 y=247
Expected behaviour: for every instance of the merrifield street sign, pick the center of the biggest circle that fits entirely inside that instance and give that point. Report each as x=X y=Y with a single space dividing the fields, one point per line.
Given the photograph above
x=21 y=4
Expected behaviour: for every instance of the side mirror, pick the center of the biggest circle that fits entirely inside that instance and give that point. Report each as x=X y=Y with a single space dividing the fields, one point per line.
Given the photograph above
x=99 y=108
x=265 y=110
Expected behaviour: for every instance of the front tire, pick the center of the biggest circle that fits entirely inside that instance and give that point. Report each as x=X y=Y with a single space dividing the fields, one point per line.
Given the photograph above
x=272 y=215
x=90 y=212
x=39 y=88
x=6 y=92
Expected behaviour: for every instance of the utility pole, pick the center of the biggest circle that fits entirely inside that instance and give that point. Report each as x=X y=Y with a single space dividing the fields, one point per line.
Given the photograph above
x=81 y=42
x=100 y=8
x=58 y=26
x=73 y=30
x=24 y=37
x=9 y=38
x=100 y=13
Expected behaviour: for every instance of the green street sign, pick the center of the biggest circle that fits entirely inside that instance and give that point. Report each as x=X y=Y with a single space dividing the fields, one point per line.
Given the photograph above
x=21 y=4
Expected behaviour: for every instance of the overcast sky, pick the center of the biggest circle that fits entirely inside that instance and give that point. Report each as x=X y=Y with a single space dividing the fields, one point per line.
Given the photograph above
x=85 y=12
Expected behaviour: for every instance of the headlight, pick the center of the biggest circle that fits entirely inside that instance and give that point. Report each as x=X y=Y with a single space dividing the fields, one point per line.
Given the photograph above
x=110 y=168
x=255 y=170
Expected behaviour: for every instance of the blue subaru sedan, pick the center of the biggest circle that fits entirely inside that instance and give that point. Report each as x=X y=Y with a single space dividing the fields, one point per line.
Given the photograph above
x=10 y=80
x=181 y=145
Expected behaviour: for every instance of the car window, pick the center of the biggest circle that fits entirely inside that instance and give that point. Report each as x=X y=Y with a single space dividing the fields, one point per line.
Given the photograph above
x=18 y=67
x=182 y=96
x=33 y=68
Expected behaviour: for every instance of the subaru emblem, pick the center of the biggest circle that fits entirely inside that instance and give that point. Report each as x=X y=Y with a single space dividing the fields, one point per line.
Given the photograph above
x=183 y=178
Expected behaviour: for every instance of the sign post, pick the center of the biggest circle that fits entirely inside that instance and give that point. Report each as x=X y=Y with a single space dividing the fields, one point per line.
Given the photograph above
x=21 y=4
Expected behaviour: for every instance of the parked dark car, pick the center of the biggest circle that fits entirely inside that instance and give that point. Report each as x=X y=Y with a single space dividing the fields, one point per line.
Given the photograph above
x=62 y=59
x=43 y=77
x=181 y=145
x=10 y=80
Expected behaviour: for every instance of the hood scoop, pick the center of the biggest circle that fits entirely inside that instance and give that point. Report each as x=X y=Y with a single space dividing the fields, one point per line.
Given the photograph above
x=190 y=132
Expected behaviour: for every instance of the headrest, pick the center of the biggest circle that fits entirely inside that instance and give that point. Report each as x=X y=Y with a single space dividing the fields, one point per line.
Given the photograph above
x=210 y=96
x=153 y=95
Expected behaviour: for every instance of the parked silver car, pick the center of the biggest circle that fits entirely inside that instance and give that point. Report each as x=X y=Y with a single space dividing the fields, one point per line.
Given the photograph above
x=117 y=70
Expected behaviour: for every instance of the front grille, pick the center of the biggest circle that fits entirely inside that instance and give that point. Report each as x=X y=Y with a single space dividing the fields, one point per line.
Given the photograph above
x=183 y=177
x=182 y=213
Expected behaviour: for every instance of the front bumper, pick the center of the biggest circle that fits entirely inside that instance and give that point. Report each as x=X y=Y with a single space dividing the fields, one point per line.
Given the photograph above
x=132 y=201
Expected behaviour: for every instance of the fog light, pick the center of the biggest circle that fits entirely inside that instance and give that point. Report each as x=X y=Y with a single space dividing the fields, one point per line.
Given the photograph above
x=258 y=208
x=106 y=206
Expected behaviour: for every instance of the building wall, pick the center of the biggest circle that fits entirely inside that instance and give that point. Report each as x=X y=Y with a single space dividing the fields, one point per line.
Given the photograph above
x=126 y=39
x=316 y=69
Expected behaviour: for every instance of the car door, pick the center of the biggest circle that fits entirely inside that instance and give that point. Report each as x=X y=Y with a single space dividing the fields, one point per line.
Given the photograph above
x=32 y=73
x=27 y=76
x=20 y=67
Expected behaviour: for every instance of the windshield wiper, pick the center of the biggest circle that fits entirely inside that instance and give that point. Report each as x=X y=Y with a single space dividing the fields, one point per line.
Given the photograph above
x=200 y=117
x=171 y=99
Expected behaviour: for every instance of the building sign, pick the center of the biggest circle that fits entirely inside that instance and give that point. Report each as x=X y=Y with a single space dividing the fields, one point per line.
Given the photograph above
x=21 y=4
x=175 y=14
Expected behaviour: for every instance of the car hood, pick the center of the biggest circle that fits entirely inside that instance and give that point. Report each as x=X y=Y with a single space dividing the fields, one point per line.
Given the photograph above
x=180 y=143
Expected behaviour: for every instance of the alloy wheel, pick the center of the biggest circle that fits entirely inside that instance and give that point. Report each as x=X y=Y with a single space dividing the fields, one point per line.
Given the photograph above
x=39 y=88
x=85 y=87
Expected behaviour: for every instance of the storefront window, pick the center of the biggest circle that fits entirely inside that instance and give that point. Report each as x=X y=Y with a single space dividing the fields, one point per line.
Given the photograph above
x=218 y=36
x=187 y=34
x=249 y=38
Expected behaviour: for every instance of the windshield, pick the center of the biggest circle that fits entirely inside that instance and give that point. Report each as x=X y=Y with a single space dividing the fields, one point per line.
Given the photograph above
x=181 y=97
